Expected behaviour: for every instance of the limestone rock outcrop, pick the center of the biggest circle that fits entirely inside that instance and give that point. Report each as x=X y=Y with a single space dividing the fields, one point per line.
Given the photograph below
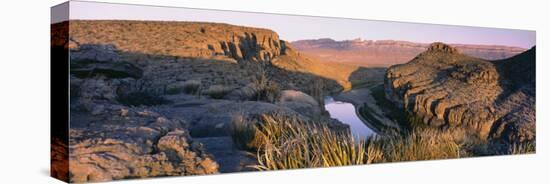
x=130 y=143
x=172 y=52
x=143 y=92
x=181 y=39
x=445 y=88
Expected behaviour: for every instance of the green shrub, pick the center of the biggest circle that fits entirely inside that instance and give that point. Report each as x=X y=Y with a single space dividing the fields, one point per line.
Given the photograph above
x=189 y=87
x=268 y=92
x=217 y=91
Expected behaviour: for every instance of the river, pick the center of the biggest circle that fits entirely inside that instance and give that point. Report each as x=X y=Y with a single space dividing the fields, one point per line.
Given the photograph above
x=345 y=112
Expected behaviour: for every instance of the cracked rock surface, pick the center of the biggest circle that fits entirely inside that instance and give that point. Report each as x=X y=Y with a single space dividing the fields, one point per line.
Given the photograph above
x=126 y=142
x=445 y=88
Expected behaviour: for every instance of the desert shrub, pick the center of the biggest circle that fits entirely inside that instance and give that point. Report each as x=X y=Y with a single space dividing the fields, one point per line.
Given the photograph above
x=266 y=89
x=217 y=91
x=419 y=144
x=284 y=142
x=189 y=87
x=140 y=98
x=268 y=92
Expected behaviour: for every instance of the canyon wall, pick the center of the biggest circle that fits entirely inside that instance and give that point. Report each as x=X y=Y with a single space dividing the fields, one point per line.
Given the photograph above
x=446 y=88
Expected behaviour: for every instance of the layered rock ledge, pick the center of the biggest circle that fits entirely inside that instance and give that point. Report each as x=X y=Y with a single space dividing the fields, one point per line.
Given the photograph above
x=445 y=88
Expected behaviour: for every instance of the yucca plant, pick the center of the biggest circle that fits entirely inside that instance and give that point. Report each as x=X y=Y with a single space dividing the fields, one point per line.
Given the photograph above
x=284 y=142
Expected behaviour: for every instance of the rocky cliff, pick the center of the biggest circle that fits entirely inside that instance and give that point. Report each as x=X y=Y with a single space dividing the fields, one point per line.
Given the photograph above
x=143 y=43
x=389 y=52
x=142 y=93
x=446 y=88
x=179 y=39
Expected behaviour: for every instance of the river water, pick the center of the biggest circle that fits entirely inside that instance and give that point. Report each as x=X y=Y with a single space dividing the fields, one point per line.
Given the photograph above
x=345 y=112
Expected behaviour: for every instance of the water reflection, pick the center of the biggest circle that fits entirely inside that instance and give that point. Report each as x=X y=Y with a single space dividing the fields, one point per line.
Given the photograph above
x=345 y=112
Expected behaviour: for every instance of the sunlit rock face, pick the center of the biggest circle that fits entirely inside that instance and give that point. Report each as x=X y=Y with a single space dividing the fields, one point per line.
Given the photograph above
x=446 y=88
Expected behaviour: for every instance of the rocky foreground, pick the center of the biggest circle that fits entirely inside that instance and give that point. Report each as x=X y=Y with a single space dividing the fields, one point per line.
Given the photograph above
x=160 y=98
x=446 y=88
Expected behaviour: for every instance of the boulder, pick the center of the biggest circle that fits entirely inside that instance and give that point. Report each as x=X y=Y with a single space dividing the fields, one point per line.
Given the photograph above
x=215 y=118
x=133 y=144
x=300 y=102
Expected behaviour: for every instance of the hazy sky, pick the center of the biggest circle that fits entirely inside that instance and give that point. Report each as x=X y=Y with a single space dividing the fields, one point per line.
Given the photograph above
x=293 y=28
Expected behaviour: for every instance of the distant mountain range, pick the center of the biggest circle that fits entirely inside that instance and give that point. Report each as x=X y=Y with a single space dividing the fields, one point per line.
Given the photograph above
x=389 y=52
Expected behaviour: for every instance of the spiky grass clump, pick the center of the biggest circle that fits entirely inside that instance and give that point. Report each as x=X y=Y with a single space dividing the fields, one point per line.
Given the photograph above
x=284 y=142
x=419 y=144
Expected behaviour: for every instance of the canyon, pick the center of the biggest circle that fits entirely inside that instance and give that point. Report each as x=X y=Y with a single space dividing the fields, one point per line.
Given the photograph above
x=161 y=98
x=156 y=98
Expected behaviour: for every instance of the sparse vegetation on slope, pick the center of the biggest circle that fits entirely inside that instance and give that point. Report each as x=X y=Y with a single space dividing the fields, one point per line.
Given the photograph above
x=420 y=144
x=289 y=143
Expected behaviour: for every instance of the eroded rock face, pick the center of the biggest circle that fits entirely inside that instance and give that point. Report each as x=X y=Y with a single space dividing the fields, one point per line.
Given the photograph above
x=141 y=91
x=448 y=89
x=198 y=39
x=126 y=142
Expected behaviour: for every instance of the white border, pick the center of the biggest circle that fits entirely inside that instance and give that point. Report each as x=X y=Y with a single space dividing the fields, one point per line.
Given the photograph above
x=25 y=94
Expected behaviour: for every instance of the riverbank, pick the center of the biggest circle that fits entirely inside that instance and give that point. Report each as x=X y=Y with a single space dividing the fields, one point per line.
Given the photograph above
x=362 y=98
x=347 y=113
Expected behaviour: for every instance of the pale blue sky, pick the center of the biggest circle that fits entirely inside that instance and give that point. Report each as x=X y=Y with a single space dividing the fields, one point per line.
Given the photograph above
x=293 y=28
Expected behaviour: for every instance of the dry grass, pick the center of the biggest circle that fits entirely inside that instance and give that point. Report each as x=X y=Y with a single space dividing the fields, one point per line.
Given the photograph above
x=420 y=144
x=266 y=88
x=522 y=148
x=284 y=142
x=288 y=143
